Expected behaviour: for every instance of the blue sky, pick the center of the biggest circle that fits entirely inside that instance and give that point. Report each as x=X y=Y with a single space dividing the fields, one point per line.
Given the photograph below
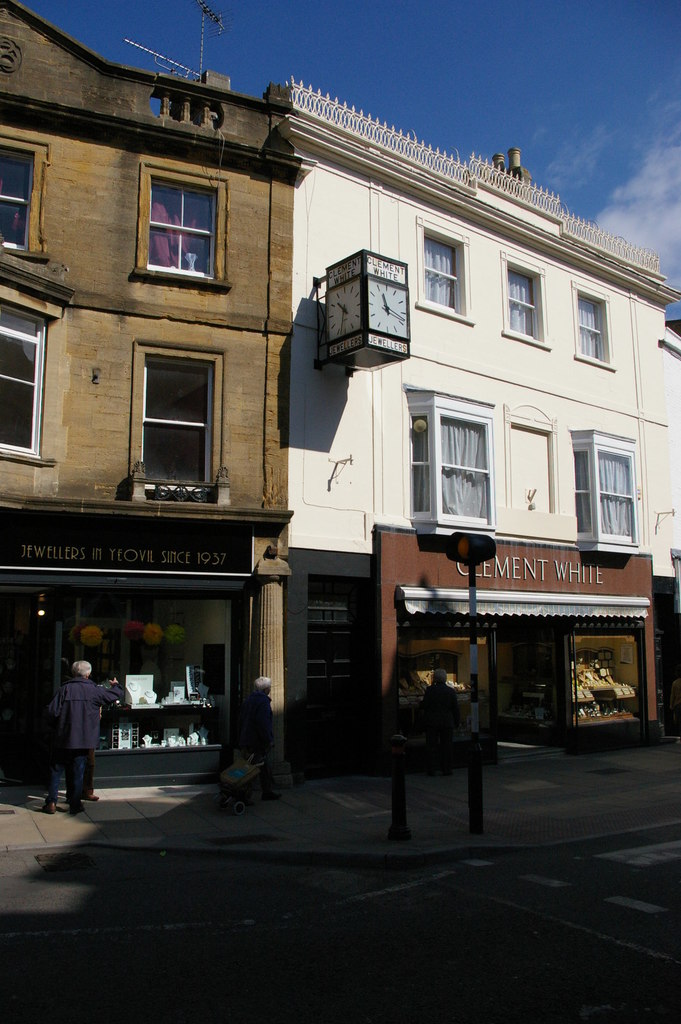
x=590 y=91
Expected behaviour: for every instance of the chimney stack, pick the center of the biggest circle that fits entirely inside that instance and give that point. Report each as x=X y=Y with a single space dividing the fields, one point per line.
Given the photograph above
x=514 y=162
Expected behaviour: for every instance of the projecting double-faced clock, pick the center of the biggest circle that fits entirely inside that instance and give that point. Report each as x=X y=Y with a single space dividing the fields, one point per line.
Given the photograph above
x=367 y=311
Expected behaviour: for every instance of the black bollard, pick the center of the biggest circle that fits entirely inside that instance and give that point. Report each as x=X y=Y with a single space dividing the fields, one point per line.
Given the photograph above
x=399 y=828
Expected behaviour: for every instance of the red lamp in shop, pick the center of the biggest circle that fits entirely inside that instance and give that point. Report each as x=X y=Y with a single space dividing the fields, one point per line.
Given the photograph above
x=472 y=549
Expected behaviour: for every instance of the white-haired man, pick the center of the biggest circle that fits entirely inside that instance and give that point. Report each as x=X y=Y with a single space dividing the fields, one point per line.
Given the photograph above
x=73 y=713
x=256 y=733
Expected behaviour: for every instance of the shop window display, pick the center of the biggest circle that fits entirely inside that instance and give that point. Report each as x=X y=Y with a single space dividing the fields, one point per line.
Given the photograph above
x=605 y=681
x=164 y=653
x=420 y=653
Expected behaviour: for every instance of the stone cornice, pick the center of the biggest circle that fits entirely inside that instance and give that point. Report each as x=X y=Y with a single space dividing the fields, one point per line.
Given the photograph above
x=148 y=510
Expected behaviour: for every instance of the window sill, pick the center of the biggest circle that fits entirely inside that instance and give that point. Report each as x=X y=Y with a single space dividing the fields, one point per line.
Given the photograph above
x=26 y=459
x=579 y=358
x=166 y=279
x=30 y=255
x=535 y=342
x=607 y=546
x=446 y=312
x=423 y=526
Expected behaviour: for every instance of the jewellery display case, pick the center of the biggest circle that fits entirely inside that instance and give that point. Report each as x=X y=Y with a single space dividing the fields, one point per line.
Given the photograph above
x=601 y=694
x=158 y=726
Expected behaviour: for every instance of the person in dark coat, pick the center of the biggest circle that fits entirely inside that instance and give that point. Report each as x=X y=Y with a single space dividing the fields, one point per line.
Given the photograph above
x=73 y=713
x=256 y=733
x=441 y=714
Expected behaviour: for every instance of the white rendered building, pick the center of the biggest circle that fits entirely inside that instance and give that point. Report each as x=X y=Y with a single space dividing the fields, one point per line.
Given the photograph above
x=521 y=396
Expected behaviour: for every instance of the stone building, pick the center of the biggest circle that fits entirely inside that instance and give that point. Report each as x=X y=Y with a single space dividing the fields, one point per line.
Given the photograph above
x=145 y=317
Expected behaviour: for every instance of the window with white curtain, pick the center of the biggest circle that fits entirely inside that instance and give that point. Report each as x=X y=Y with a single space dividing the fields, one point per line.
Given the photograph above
x=465 y=468
x=592 y=334
x=605 y=490
x=583 y=491
x=616 y=494
x=522 y=310
x=440 y=267
x=451 y=461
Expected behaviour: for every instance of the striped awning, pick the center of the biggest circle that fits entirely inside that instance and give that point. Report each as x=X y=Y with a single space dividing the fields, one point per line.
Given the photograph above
x=443 y=601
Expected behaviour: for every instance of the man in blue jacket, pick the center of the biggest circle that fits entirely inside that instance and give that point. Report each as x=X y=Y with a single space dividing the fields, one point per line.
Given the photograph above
x=74 y=714
x=256 y=734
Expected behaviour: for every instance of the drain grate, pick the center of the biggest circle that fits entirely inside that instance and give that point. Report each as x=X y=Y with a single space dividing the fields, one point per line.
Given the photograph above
x=6 y=810
x=64 y=861
x=608 y=771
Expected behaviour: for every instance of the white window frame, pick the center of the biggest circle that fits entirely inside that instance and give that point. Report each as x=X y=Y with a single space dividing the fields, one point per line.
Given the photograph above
x=38 y=155
x=596 y=444
x=600 y=302
x=23 y=201
x=143 y=349
x=433 y=408
x=38 y=340
x=460 y=245
x=182 y=230
x=537 y=277
x=206 y=427
x=173 y=177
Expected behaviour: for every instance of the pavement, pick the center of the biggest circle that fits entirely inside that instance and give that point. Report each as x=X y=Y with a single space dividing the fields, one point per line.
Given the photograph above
x=531 y=797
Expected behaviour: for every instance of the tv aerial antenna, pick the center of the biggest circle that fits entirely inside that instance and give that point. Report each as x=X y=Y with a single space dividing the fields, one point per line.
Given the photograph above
x=215 y=21
x=171 y=66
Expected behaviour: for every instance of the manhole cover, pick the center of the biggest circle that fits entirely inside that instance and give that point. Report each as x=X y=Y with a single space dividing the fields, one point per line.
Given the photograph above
x=64 y=861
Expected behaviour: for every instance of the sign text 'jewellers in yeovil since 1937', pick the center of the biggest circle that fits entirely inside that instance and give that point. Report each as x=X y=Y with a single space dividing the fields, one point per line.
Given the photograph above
x=125 y=546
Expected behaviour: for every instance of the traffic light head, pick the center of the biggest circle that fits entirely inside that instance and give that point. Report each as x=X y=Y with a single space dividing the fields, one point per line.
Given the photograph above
x=471 y=548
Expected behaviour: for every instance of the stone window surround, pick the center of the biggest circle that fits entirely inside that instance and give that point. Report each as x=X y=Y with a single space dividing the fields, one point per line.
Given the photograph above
x=142 y=349
x=29 y=145
x=181 y=177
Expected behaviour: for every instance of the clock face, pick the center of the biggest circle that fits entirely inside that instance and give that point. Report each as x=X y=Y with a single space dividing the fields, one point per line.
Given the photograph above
x=344 y=309
x=388 y=309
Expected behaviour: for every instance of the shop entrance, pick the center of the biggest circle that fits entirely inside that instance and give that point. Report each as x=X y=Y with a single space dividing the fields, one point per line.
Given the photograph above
x=531 y=702
x=26 y=682
x=339 y=708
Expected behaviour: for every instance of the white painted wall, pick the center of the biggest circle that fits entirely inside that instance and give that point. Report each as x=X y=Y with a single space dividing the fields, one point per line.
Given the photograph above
x=364 y=418
x=672 y=383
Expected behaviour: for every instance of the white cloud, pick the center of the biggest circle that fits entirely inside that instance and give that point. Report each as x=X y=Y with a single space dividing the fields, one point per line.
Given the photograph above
x=646 y=210
x=577 y=159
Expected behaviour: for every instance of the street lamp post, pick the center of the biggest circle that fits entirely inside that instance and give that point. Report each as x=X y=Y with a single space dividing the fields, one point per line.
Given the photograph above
x=471 y=549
